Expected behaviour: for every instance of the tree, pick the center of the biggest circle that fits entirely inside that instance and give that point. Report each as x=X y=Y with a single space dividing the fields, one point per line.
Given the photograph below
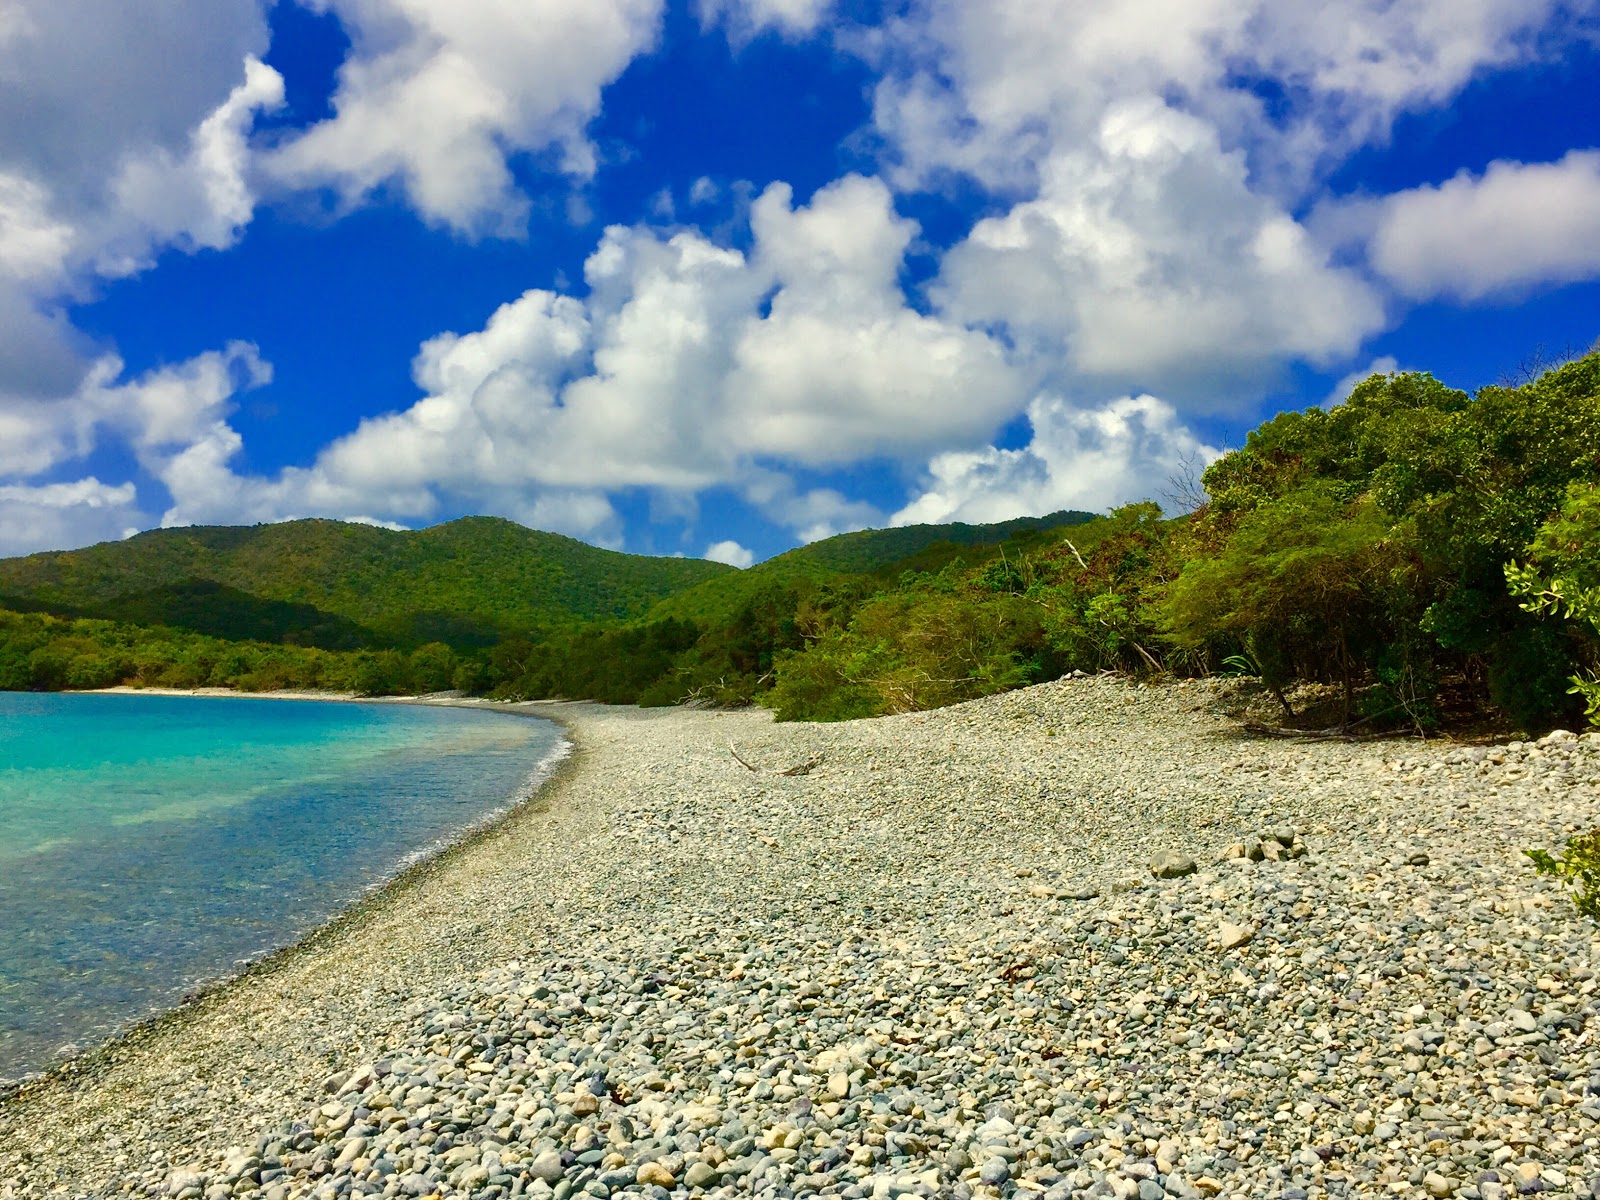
x=1563 y=579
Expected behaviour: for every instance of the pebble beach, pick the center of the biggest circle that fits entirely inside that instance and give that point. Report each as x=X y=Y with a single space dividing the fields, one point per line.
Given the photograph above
x=1087 y=939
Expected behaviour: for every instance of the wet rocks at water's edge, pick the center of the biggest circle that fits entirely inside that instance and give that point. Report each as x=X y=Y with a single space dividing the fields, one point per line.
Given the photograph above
x=997 y=951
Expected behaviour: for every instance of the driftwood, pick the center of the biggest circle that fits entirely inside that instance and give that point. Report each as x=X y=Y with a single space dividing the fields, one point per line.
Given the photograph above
x=1335 y=733
x=804 y=768
x=800 y=768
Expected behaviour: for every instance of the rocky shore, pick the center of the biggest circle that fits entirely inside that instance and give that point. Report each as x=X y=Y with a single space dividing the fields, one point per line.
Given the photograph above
x=1083 y=940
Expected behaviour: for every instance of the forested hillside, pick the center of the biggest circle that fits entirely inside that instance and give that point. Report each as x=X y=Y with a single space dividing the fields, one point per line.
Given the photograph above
x=339 y=585
x=1430 y=557
x=880 y=552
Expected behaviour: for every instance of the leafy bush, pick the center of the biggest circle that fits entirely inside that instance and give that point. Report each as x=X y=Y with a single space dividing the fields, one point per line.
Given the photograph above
x=1580 y=866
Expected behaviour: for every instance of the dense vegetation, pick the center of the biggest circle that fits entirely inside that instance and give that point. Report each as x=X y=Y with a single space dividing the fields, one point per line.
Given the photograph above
x=337 y=585
x=1427 y=555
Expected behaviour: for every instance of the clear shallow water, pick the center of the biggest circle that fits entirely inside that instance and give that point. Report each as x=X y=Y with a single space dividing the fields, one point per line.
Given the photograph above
x=151 y=842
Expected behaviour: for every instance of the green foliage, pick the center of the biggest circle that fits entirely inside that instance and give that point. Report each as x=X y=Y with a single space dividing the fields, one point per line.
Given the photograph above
x=883 y=553
x=39 y=652
x=1095 y=591
x=1429 y=552
x=1578 y=865
x=909 y=650
x=1563 y=581
x=467 y=583
x=1368 y=544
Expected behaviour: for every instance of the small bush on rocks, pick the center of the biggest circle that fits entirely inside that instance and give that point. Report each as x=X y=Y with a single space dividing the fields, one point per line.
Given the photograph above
x=1581 y=865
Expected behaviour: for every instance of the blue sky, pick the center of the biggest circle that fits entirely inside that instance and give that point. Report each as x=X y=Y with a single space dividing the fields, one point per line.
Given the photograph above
x=716 y=277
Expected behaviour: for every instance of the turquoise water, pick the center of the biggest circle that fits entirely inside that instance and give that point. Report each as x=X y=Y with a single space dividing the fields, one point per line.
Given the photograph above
x=149 y=843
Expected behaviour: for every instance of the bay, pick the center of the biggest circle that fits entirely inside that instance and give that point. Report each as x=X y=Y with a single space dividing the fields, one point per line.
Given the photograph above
x=150 y=843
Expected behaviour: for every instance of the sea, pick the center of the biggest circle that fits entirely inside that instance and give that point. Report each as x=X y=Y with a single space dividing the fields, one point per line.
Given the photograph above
x=150 y=844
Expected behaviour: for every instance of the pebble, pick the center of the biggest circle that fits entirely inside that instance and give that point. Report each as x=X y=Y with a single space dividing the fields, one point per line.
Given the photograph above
x=690 y=979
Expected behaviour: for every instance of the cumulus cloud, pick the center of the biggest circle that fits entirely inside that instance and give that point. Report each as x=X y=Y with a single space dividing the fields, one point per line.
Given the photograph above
x=1146 y=258
x=731 y=553
x=1514 y=226
x=90 y=84
x=987 y=88
x=109 y=151
x=1146 y=185
x=745 y=19
x=200 y=200
x=689 y=365
x=1143 y=233
x=813 y=513
x=434 y=98
x=1085 y=458
x=170 y=418
x=52 y=515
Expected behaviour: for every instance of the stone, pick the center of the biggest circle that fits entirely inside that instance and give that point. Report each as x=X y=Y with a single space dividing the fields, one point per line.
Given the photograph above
x=547 y=1167
x=1419 y=859
x=995 y=1172
x=1169 y=864
x=654 y=1174
x=1231 y=936
x=1246 y=850
x=1437 y=1185
x=699 y=1175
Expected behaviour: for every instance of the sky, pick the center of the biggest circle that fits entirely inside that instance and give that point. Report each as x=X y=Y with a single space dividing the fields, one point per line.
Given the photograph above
x=720 y=277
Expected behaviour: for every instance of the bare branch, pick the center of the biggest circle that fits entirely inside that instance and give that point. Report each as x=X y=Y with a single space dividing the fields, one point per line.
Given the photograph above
x=800 y=768
x=806 y=767
x=1067 y=542
x=1185 y=492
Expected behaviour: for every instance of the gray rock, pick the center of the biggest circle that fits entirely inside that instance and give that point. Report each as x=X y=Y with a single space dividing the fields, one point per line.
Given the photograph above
x=1169 y=864
x=995 y=1172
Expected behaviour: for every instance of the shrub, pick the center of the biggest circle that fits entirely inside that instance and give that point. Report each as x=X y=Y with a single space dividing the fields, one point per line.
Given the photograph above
x=1580 y=865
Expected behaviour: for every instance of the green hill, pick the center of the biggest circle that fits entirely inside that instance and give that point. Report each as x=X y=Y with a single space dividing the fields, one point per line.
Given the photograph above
x=882 y=552
x=339 y=585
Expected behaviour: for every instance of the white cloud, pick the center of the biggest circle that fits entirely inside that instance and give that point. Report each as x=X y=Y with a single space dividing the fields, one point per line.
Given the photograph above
x=690 y=365
x=89 y=85
x=1084 y=458
x=1146 y=259
x=703 y=191
x=1149 y=158
x=52 y=515
x=745 y=19
x=813 y=514
x=123 y=130
x=988 y=87
x=1515 y=226
x=435 y=98
x=35 y=244
x=731 y=553
x=200 y=200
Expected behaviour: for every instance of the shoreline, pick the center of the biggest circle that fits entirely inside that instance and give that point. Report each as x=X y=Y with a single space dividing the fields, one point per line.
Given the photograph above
x=937 y=964
x=89 y=1061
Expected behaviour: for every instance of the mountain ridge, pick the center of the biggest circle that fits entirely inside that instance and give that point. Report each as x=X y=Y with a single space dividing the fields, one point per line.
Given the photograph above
x=469 y=582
